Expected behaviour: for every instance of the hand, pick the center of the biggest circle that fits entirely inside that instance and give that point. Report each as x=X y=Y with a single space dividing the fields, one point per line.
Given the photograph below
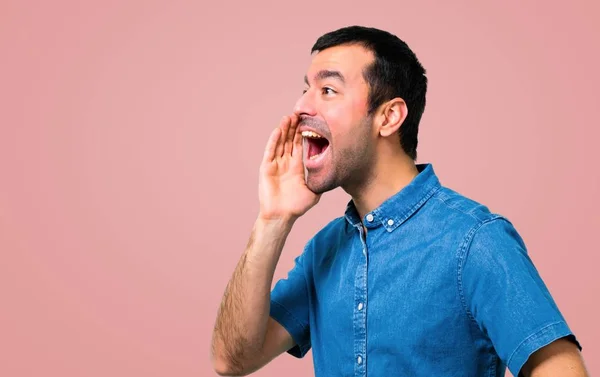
x=282 y=190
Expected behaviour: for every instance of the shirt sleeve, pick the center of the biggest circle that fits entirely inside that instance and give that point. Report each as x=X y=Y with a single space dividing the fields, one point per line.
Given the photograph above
x=505 y=295
x=290 y=306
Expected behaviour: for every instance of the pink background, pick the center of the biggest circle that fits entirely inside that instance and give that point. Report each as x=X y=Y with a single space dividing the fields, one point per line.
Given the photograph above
x=131 y=133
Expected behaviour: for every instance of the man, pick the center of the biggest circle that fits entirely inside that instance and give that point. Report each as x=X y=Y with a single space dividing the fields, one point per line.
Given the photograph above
x=414 y=279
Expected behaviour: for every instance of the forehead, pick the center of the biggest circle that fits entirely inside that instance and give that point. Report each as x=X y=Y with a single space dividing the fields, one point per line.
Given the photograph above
x=349 y=60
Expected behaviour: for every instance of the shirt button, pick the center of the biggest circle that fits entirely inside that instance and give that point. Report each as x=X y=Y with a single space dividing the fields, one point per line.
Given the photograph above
x=369 y=217
x=360 y=306
x=359 y=360
x=390 y=222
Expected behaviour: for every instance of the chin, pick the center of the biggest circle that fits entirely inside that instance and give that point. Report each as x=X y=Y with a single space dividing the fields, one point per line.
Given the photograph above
x=320 y=186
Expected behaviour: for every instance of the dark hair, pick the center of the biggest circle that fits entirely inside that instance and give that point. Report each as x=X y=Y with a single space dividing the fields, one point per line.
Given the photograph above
x=396 y=72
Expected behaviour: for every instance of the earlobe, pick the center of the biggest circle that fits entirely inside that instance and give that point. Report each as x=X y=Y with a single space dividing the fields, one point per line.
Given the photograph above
x=394 y=113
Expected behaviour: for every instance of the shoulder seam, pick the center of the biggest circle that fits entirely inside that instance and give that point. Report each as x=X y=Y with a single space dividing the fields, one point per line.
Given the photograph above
x=461 y=255
x=470 y=213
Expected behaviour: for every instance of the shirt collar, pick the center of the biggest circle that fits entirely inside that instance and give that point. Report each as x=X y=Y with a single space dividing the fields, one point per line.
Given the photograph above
x=399 y=207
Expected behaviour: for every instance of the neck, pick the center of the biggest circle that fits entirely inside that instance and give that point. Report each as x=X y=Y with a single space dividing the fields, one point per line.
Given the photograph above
x=391 y=174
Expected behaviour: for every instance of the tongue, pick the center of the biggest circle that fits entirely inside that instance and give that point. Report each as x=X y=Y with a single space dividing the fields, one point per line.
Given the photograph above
x=313 y=148
x=316 y=146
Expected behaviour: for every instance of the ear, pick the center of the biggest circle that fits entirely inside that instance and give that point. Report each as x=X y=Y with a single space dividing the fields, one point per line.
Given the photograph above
x=392 y=115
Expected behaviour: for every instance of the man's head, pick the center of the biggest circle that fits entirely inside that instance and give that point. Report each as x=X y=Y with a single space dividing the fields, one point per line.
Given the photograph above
x=364 y=88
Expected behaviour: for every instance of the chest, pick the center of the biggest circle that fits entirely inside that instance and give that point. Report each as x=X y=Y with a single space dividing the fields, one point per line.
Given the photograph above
x=399 y=292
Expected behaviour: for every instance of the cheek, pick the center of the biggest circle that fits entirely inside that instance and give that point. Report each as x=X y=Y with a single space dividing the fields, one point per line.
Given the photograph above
x=343 y=117
x=360 y=103
x=338 y=122
x=340 y=117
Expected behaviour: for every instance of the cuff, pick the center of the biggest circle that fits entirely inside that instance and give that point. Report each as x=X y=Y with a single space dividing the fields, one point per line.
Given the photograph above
x=537 y=340
x=299 y=332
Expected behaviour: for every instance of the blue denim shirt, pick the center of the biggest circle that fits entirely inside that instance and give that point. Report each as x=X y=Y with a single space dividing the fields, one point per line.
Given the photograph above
x=440 y=286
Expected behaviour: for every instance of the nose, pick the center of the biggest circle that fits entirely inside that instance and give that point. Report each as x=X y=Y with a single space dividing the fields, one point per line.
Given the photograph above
x=305 y=105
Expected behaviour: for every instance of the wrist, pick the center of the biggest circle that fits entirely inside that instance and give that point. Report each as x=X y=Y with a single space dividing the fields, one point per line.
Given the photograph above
x=283 y=223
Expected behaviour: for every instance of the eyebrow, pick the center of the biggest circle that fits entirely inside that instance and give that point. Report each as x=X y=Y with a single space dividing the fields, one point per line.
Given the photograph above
x=325 y=74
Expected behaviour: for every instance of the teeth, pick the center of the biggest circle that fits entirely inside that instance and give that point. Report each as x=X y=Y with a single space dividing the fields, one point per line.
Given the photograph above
x=311 y=134
x=315 y=156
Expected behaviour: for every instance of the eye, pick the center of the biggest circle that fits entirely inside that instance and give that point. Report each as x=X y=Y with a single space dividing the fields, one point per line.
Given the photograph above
x=327 y=90
x=304 y=91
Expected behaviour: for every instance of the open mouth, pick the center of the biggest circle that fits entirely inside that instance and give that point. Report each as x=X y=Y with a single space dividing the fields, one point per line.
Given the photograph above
x=316 y=144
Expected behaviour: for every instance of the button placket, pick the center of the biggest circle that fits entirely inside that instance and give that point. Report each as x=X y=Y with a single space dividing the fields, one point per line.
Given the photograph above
x=359 y=313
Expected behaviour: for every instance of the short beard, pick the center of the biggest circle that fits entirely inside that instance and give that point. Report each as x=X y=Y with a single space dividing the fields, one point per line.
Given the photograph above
x=351 y=166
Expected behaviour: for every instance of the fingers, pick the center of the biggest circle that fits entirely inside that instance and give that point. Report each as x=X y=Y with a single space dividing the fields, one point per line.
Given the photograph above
x=271 y=145
x=284 y=140
x=297 y=142
x=284 y=126
x=289 y=140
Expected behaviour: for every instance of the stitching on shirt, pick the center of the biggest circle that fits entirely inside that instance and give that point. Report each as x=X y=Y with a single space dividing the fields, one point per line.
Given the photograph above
x=493 y=365
x=304 y=327
x=462 y=253
x=303 y=347
x=414 y=208
x=443 y=197
x=536 y=334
